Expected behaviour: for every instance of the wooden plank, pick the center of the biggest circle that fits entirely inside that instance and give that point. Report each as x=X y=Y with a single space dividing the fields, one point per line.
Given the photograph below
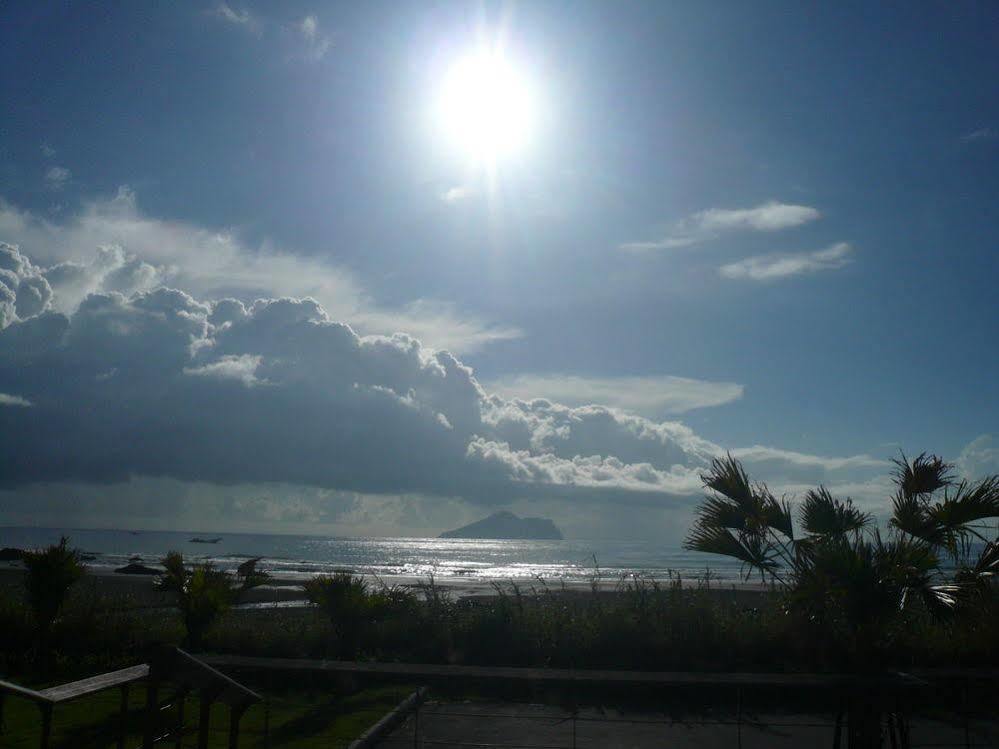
x=234 y=692
x=650 y=678
x=390 y=720
x=28 y=694
x=76 y=689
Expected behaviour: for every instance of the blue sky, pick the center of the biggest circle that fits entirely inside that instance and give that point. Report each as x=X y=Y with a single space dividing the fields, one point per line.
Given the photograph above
x=772 y=223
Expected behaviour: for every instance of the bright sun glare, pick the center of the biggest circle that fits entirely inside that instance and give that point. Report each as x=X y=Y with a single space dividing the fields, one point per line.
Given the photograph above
x=486 y=107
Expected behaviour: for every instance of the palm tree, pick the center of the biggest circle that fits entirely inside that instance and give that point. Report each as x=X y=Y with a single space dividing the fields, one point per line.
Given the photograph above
x=850 y=583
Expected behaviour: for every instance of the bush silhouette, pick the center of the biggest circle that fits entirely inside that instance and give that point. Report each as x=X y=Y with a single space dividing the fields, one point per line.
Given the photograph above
x=50 y=574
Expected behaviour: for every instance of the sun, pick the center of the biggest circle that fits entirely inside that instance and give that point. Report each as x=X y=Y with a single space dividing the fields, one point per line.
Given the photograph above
x=486 y=106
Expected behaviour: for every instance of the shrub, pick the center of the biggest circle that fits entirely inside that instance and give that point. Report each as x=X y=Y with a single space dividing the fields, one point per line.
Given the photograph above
x=50 y=574
x=345 y=600
x=204 y=593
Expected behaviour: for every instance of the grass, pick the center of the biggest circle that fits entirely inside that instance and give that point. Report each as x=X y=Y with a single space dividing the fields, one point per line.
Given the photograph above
x=319 y=716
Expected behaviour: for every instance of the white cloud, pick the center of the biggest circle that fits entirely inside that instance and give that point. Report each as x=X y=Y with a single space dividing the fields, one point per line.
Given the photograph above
x=13 y=400
x=979 y=458
x=242 y=368
x=159 y=384
x=238 y=17
x=315 y=44
x=772 y=216
x=648 y=395
x=984 y=133
x=456 y=194
x=761 y=454
x=778 y=266
x=56 y=177
x=213 y=264
x=48 y=151
x=712 y=223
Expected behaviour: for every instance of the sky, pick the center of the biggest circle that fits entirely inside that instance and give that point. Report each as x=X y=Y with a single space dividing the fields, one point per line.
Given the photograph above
x=260 y=272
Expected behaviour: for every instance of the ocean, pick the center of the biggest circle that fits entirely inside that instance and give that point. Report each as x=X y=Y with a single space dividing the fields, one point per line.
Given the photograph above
x=468 y=563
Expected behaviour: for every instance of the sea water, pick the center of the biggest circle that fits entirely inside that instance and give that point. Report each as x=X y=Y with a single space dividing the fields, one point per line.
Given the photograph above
x=470 y=562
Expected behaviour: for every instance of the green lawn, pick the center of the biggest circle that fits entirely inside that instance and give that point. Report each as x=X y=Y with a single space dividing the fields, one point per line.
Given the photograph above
x=312 y=717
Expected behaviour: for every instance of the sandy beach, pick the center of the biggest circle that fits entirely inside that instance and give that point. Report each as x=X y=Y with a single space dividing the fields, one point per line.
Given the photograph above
x=284 y=591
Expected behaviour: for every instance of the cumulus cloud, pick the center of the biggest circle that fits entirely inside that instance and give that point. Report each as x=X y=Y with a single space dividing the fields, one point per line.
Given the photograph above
x=56 y=177
x=242 y=368
x=712 y=223
x=272 y=400
x=159 y=384
x=141 y=252
x=24 y=290
x=649 y=395
x=779 y=266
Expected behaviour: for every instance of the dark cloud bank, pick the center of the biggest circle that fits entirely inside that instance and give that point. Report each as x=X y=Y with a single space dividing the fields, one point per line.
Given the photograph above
x=131 y=380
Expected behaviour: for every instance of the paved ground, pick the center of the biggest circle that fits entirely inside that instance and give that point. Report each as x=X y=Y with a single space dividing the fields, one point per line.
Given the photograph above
x=463 y=725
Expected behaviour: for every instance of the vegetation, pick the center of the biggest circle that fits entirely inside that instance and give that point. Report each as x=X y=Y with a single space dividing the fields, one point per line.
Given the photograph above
x=849 y=586
x=855 y=592
x=49 y=575
x=351 y=606
x=920 y=593
x=205 y=592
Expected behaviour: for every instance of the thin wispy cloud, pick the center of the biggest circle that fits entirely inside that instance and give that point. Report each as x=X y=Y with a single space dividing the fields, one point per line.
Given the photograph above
x=13 y=400
x=56 y=177
x=237 y=17
x=47 y=151
x=710 y=224
x=315 y=44
x=457 y=194
x=984 y=133
x=649 y=395
x=778 y=266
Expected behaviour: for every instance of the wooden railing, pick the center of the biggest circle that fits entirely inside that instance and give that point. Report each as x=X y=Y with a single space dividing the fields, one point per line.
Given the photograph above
x=170 y=668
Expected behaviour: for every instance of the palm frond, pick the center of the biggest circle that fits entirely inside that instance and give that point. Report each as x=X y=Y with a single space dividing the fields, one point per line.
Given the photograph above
x=777 y=512
x=722 y=513
x=923 y=475
x=953 y=515
x=909 y=514
x=824 y=515
x=749 y=550
x=727 y=477
x=987 y=564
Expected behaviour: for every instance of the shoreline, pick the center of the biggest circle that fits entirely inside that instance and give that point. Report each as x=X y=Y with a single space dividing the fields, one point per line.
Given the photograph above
x=287 y=592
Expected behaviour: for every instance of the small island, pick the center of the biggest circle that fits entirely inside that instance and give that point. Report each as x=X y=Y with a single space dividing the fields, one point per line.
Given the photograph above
x=506 y=525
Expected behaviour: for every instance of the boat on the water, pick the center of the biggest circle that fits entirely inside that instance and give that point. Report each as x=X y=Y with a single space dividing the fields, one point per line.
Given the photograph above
x=198 y=540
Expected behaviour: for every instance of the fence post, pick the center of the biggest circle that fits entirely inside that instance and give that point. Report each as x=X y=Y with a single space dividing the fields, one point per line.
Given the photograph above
x=123 y=717
x=267 y=724
x=178 y=729
x=738 y=712
x=152 y=713
x=46 y=725
x=416 y=727
x=235 y=714
x=204 y=720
